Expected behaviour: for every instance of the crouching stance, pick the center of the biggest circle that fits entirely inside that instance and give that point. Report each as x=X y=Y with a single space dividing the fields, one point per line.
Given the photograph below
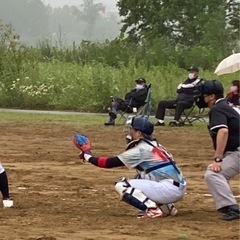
x=158 y=184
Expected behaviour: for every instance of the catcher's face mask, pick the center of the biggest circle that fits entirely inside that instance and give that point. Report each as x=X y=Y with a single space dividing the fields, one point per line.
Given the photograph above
x=132 y=132
x=127 y=130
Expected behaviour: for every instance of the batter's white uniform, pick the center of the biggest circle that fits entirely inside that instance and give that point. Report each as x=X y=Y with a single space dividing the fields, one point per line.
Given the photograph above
x=159 y=178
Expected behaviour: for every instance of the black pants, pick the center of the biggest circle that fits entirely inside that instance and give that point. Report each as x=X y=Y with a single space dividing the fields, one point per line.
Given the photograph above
x=4 y=185
x=120 y=104
x=172 y=104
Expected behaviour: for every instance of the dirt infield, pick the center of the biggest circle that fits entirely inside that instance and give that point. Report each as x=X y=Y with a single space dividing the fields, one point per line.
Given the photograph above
x=56 y=197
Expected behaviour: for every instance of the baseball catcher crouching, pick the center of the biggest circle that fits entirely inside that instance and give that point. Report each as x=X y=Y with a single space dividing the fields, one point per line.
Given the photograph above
x=159 y=182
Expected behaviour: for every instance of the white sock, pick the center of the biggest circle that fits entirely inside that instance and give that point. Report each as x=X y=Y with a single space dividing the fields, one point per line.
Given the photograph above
x=161 y=121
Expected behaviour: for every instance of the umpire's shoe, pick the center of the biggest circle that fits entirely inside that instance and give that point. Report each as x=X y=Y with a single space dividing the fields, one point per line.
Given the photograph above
x=232 y=213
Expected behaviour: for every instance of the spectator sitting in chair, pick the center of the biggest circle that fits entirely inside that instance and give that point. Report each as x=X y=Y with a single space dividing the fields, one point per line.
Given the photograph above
x=133 y=99
x=184 y=100
x=233 y=97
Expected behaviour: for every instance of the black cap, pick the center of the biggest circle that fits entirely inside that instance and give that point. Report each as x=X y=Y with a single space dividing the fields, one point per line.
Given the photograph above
x=193 y=69
x=143 y=124
x=140 y=80
x=211 y=87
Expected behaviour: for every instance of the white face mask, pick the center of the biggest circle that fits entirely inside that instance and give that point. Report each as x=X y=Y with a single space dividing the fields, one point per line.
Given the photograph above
x=191 y=75
x=233 y=89
x=139 y=86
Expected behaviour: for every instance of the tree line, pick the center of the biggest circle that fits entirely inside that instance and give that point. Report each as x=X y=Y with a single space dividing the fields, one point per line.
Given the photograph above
x=34 y=21
x=153 y=33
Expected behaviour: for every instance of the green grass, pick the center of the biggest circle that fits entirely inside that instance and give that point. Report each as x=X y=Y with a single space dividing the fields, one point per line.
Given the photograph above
x=84 y=119
x=72 y=119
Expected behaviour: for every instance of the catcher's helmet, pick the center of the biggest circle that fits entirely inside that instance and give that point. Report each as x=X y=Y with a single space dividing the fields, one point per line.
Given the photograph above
x=142 y=124
x=211 y=87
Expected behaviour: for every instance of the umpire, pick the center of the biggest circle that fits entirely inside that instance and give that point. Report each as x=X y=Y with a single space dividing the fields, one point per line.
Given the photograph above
x=224 y=131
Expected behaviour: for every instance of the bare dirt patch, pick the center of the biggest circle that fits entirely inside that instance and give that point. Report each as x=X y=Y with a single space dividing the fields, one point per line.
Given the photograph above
x=56 y=197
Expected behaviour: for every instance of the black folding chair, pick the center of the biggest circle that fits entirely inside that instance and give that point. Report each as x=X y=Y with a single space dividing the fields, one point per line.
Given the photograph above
x=195 y=114
x=124 y=114
x=147 y=107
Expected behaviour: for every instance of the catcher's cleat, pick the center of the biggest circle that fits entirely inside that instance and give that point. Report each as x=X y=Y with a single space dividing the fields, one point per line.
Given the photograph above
x=169 y=211
x=7 y=203
x=173 y=210
x=140 y=214
x=151 y=213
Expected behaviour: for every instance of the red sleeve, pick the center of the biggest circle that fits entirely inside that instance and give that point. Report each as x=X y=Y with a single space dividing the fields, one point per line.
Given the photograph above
x=102 y=162
x=106 y=162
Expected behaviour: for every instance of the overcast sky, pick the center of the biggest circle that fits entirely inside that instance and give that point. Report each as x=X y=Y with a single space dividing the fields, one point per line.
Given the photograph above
x=110 y=4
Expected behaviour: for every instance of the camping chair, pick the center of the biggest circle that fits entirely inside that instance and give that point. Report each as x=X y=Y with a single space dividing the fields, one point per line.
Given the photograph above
x=143 y=110
x=147 y=107
x=195 y=113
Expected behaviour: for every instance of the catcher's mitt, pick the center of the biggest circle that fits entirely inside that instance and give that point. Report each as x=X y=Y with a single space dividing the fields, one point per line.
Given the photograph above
x=82 y=142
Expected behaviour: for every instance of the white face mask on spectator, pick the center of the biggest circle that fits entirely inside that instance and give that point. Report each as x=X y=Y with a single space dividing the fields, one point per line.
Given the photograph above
x=191 y=75
x=139 y=86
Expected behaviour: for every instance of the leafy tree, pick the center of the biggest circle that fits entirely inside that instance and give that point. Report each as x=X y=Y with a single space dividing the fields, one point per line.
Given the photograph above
x=28 y=17
x=185 y=22
x=92 y=22
x=89 y=14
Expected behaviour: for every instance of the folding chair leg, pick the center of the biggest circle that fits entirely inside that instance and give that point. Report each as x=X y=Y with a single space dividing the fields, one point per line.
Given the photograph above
x=186 y=118
x=122 y=116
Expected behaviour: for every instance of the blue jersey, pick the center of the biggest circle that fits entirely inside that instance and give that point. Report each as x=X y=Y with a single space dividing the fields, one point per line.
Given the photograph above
x=152 y=161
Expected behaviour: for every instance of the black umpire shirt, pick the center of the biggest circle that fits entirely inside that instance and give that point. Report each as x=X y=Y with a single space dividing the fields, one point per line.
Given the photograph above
x=221 y=115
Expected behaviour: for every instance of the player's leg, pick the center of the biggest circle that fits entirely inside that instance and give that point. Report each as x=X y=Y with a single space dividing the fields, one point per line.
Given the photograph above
x=218 y=184
x=160 y=113
x=4 y=188
x=136 y=198
x=180 y=107
x=164 y=193
x=145 y=194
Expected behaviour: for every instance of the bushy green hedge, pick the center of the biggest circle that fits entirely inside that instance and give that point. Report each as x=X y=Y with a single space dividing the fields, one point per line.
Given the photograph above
x=84 y=78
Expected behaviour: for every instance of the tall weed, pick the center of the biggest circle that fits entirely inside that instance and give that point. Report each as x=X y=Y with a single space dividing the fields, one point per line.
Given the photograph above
x=84 y=77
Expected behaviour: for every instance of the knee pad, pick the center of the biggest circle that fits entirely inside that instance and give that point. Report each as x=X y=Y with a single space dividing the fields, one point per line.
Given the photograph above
x=121 y=185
